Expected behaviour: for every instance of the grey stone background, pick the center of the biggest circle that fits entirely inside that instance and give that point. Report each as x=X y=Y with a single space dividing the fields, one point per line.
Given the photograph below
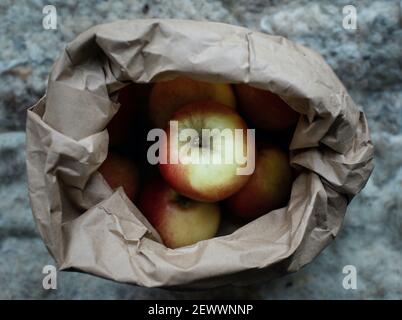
x=369 y=62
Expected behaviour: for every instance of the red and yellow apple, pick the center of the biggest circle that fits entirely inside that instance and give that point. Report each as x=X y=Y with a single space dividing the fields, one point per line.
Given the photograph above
x=208 y=170
x=268 y=188
x=120 y=171
x=168 y=96
x=179 y=221
x=264 y=109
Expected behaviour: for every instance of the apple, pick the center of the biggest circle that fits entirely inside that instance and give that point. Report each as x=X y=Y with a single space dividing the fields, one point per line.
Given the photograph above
x=179 y=220
x=120 y=171
x=264 y=109
x=167 y=97
x=132 y=98
x=268 y=188
x=209 y=170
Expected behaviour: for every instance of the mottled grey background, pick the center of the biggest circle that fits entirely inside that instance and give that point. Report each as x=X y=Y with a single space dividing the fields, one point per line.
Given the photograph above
x=369 y=62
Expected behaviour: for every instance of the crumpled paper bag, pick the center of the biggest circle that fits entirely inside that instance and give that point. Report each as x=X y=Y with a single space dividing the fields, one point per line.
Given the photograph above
x=87 y=226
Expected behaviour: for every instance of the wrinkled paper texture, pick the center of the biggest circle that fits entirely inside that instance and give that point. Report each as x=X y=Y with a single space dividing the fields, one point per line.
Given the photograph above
x=87 y=226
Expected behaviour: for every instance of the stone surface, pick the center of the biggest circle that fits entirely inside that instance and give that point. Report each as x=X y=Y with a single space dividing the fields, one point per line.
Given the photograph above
x=367 y=60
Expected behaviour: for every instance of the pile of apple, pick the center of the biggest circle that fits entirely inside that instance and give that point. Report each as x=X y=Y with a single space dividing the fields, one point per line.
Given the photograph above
x=185 y=201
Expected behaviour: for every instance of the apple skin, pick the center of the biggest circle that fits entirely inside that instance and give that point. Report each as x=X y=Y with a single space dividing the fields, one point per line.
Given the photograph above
x=168 y=96
x=132 y=99
x=268 y=188
x=205 y=182
x=121 y=171
x=264 y=109
x=180 y=221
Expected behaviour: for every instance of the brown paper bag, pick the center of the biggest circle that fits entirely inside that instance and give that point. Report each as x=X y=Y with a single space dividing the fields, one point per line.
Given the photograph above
x=88 y=227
